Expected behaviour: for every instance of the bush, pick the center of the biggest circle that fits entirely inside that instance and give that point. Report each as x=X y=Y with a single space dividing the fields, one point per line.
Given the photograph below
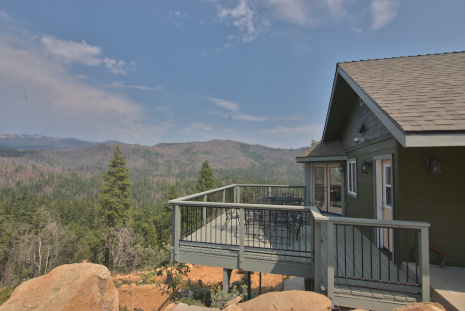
x=5 y=294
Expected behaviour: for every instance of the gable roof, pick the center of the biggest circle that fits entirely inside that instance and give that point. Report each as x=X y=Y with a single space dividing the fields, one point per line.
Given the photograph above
x=420 y=99
x=329 y=151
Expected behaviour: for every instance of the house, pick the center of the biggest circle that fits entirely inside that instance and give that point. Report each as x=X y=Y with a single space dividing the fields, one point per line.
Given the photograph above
x=396 y=130
x=382 y=189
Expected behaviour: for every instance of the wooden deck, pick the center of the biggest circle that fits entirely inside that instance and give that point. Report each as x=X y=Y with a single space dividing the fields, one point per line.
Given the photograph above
x=269 y=246
x=279 y=239
x=359 y=264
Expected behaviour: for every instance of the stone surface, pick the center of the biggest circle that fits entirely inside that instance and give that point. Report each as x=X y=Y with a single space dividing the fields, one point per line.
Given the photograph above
x=82 y=286
x=286 y=301
x=185 y=307
x=422 y=306
x=235 y=301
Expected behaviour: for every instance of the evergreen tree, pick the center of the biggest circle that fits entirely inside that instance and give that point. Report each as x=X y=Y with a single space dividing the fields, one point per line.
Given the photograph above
x=114 y=197
x=206 y=179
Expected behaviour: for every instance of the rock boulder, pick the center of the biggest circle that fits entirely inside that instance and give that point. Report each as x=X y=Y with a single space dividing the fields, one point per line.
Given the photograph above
x=292 y=300
x=82 y=286
x=422 y=306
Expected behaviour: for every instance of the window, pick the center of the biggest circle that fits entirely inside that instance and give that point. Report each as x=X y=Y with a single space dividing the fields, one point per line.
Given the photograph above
x=352 y=177
x=387 y=185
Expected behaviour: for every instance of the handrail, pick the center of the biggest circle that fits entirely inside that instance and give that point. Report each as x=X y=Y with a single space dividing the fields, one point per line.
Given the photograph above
x=245 y=205
x=200 y=194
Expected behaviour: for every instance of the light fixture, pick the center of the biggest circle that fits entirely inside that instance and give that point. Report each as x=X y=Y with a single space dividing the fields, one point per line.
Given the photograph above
x=366 y=167
x=359 y=140
x=341 y=168
x=435 y=166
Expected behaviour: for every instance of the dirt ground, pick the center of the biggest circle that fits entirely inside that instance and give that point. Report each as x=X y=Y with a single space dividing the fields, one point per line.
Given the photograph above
x=150 y=298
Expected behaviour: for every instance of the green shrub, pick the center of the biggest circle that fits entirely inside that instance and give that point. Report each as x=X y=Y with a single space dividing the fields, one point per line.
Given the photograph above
x=5 y=294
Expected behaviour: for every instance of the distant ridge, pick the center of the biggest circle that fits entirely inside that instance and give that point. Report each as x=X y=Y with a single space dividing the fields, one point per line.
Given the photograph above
x=39 y=142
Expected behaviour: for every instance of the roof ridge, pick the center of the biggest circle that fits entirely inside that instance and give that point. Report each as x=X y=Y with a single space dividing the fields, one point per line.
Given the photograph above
x=396 y=57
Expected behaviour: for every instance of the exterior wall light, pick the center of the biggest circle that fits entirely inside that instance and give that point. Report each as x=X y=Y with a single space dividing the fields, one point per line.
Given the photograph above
x=359 y=140
x=366 y=167
x=435 y=166
x=341 y=168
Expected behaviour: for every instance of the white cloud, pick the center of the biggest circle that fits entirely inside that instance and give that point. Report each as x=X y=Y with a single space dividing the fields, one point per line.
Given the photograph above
x=39 y=95
x=224 y=103
x=174 y=17
x=121 y=85
x=383 y=12
x=244 y=17
x=196 y=127
x=246 y=117
x=252 y=18
x=314 y=130
x=81 y=53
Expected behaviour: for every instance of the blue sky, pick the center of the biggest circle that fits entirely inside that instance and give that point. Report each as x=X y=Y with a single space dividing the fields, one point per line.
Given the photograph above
x=256 y=71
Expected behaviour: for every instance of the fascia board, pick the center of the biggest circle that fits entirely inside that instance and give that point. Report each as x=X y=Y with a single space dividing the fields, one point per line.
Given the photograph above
x=330 y=103
x=435 y=140
x=321 y=159
x=390 y=124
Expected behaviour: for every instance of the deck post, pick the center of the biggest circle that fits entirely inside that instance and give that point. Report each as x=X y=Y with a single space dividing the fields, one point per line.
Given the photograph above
x=424 y=264
x=241 y=237
x=237 y=198
x=204 y=214
x=177 y=232
x=226 y=279
x=330 y=258
x=317 y=256
x=224 y=196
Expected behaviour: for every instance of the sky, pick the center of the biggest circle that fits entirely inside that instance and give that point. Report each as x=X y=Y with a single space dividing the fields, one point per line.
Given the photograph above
x=149 y=72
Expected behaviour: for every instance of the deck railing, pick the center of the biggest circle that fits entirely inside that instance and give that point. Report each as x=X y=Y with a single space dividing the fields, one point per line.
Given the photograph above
x=373 y=255
x=344 y=256
x=232 y=217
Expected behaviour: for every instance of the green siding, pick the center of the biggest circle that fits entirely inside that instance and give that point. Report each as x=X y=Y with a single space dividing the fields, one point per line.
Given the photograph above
x=438 y=200
x=364 y=205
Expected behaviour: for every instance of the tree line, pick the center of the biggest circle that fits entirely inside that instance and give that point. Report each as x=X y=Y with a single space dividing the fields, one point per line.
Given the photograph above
x=40 y=230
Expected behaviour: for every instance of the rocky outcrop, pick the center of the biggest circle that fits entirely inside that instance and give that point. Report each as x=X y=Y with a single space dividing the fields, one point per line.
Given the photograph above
x=289 y=300
x=422 y=306
x=83 y=286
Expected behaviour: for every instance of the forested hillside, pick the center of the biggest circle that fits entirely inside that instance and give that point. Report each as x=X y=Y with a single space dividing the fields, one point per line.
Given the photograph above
x=49 y=208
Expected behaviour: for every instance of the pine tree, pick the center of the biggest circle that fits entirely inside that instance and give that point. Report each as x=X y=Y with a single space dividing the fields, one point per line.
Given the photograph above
x=114 y=197
x=206 y=179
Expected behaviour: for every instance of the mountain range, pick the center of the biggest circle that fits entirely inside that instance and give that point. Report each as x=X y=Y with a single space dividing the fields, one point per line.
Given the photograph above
x=39 y=142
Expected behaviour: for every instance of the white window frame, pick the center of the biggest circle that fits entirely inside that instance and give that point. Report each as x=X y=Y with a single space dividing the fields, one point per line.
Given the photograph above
x=387 y=185
x=352 y=177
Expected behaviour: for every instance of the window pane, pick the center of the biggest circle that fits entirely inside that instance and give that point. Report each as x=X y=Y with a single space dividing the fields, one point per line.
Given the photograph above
x=387 y=174
x=388 y=196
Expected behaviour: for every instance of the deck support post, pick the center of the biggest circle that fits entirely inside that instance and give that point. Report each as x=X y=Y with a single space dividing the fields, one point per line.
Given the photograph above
x=204 y=214
x=241 y=237
x=424 y=264
x=226 y=279
x=330 y=258
x=177 y=232
x=317 y=256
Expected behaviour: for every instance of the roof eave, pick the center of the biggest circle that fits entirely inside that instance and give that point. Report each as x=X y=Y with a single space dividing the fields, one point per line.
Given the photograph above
x=435 y=140
x=321 y=159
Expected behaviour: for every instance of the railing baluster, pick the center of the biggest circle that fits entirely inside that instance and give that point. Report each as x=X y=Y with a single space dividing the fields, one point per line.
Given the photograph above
x=330 y=258
x=362 y=255
x=424 y=264
x=242 y=233
x=353 y=251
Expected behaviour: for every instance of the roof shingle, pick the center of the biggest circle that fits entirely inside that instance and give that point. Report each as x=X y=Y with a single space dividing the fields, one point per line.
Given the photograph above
x=426 y=89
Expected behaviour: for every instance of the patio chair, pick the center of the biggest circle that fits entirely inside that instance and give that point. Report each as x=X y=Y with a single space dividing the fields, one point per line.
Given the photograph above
x=231 y=213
